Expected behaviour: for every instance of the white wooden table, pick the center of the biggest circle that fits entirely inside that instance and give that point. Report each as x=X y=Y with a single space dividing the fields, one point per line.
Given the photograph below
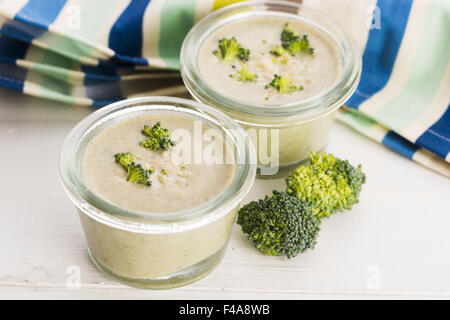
x=395 y=243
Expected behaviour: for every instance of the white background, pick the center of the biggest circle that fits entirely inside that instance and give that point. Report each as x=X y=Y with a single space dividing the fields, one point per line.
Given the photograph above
x=395 y=243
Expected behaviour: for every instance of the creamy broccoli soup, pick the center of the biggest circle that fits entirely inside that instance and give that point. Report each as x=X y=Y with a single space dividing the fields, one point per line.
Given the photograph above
x=176 y=182
x=268 y=61
x=138 y=165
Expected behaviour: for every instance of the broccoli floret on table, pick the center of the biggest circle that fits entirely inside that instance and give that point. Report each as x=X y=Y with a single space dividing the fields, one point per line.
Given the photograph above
x=328 y=183
x=280 y=225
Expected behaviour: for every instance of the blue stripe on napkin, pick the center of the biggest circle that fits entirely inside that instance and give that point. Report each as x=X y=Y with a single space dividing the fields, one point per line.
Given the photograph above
x=99 y=74
x=399 y=144
x=40 y=13
x=381 y=49
x=33 y=19
x=12 y=49
x=437 y=137
x=12 y=77
x=125 y=37
x=104 y=94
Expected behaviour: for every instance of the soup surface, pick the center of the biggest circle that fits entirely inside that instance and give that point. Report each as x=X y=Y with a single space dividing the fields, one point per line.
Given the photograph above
x=185 y=176
x=314 y=72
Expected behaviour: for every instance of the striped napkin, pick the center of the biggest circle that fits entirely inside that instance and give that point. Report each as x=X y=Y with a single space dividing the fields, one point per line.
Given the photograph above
x=403 y=98
x=92 y=53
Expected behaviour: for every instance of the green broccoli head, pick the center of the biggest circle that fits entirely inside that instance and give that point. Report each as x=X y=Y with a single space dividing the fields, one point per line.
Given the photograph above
x=244 y=75
x=158 y=137
x=328 y=183
x=280 y=225
x=135 y=172
x=278 y=51
x=283 y=85
x=124 y=159
x=293 y=43
x=230 y=49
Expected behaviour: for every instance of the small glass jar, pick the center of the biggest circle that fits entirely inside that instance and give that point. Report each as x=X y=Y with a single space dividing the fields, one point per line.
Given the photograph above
x=299 y=127
x=157 y=250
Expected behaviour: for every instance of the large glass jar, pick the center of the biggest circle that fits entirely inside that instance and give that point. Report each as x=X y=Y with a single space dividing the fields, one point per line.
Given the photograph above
x=284 y=134
x=157 y=250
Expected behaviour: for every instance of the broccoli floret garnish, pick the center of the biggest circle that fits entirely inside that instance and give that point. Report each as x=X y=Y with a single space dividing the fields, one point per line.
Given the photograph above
x=158 y=137
x=280 y=225
x=293 y=43
x=244 y=75
x=124 y=159
x=283 y=85
x=278 y=51
x=328 y=183
x=135 y=172
x=230 y=49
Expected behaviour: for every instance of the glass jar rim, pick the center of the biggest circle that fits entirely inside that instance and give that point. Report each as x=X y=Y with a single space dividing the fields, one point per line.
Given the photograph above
x=327 y=100
x=107 y=213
